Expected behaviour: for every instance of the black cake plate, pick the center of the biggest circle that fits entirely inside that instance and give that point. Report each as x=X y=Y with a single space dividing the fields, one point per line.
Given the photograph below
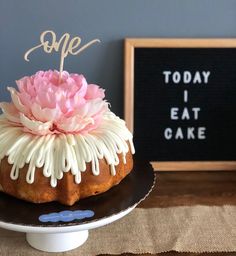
x=54 y=227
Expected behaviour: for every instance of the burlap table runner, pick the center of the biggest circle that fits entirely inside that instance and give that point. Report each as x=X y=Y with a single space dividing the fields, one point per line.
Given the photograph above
x=183 y=229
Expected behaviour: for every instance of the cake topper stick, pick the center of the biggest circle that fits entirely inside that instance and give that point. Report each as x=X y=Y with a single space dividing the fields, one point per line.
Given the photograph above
x=65 y=45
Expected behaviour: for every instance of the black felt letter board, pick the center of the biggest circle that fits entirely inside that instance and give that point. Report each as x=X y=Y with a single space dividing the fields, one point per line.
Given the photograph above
x=180 y=112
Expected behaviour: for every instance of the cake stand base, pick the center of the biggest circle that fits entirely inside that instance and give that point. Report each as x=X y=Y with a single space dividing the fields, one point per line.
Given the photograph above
x=57 y=242
x=64 y=236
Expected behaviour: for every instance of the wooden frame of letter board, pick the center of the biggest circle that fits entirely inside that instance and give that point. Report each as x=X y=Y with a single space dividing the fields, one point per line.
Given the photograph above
x=130 y=45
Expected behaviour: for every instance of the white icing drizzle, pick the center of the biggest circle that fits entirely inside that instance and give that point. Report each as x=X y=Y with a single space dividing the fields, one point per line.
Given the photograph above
x=61 y=153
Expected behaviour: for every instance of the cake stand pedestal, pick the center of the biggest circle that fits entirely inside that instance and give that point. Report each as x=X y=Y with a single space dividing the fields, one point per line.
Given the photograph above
x=65 y=235
x=57 y=242
x=61 y=239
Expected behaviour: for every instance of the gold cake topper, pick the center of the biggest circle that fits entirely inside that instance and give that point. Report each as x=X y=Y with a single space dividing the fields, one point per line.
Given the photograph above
x=65 y=45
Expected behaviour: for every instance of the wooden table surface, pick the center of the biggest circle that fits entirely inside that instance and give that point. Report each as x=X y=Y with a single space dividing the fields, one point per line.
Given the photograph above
x=191 y=188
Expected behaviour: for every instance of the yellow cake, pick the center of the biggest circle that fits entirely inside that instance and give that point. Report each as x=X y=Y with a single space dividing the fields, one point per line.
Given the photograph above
x=59 y=141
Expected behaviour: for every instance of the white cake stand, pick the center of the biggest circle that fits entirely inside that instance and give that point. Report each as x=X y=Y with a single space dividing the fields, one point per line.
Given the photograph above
x=62 y=236
x=60 y=239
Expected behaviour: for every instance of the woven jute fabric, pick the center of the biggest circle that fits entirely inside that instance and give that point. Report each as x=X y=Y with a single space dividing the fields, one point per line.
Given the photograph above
x=182 y=229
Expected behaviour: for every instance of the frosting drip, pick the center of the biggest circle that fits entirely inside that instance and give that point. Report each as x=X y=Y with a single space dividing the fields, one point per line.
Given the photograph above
x=59 y=153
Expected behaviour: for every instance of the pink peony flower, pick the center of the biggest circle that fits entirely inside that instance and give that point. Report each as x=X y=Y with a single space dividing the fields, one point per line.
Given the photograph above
x=46 y=104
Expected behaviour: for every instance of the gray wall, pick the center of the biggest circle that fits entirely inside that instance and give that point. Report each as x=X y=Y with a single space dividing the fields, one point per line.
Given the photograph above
x=21 y=22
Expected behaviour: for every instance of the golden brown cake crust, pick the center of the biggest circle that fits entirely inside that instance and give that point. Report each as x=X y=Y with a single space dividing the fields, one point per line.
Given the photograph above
x=67 y=191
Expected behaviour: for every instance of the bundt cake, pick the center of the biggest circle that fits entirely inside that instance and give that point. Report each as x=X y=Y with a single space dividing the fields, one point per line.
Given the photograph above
x=59 y=141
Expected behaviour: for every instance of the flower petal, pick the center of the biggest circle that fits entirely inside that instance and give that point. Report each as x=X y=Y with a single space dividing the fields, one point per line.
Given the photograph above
x=16 y=101
x=35 y=127
x=45 y=114
x=94 y=91
x=92 y=107
x=10 y=112
x=74 y=124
